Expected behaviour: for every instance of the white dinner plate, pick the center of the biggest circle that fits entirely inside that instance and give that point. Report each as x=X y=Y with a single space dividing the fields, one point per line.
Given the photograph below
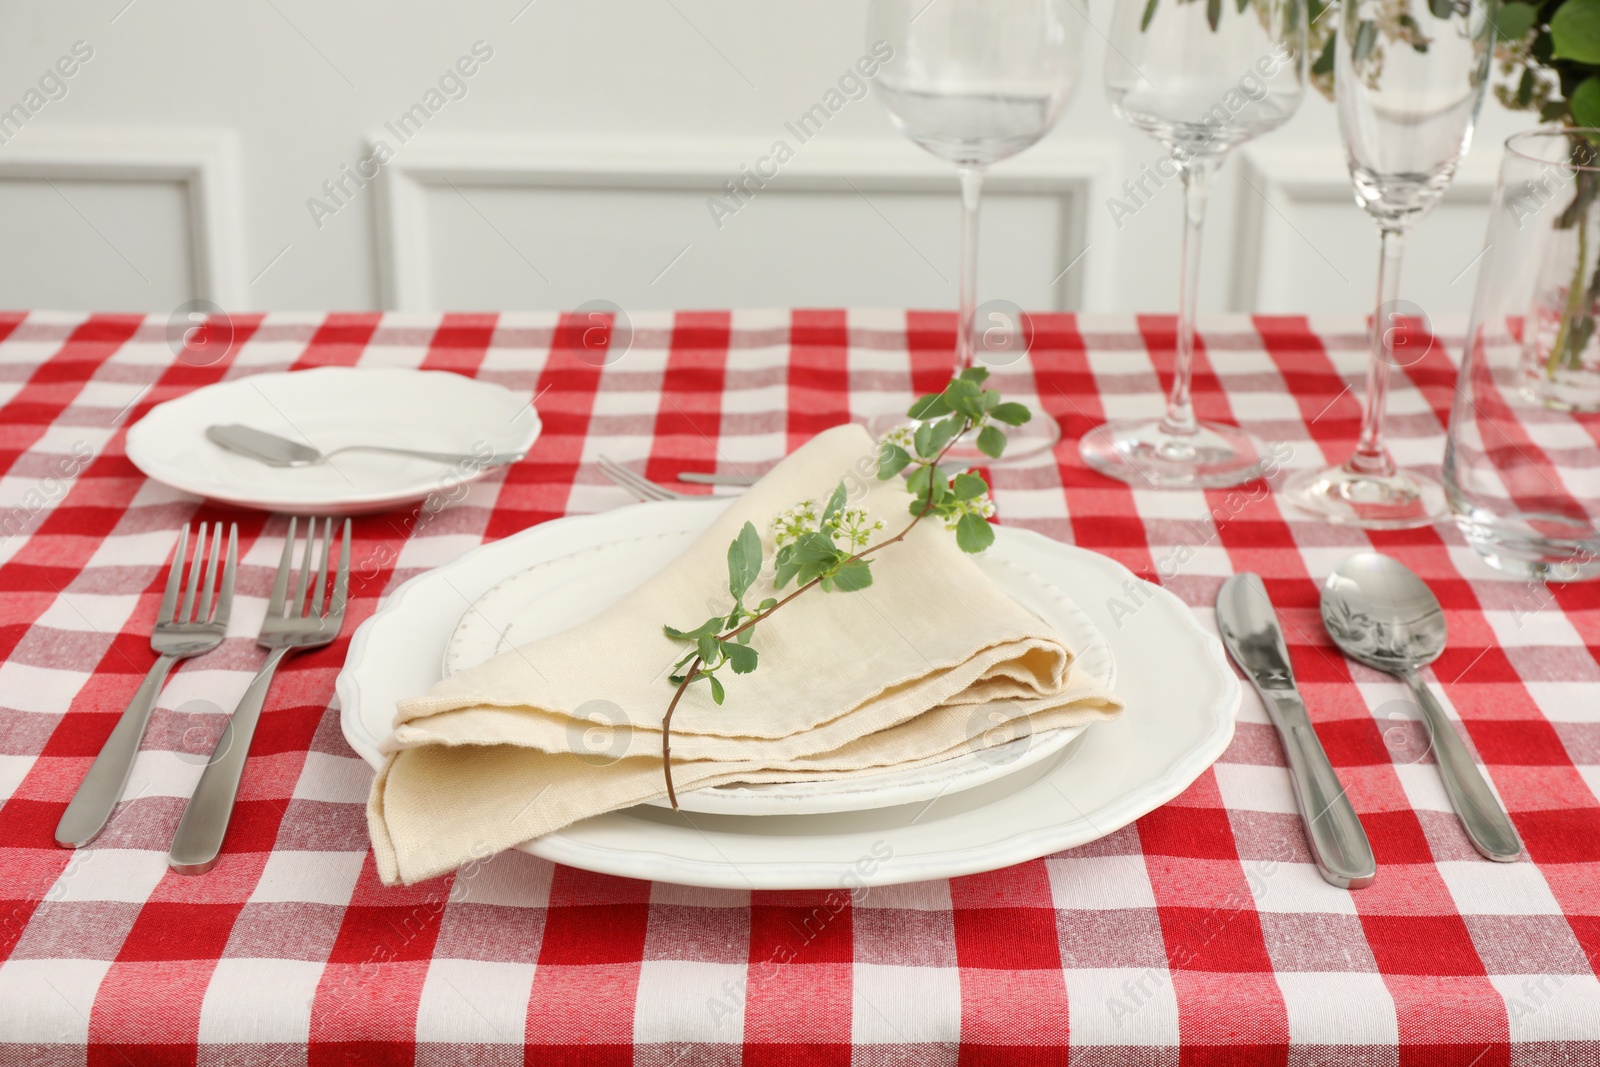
x=1181 y=699
x=558 y=594
x=328 y=407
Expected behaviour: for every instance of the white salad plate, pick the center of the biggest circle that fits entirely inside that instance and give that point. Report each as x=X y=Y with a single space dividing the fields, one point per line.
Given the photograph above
x=327 y=408
x=1181 y=697
x=562 y=592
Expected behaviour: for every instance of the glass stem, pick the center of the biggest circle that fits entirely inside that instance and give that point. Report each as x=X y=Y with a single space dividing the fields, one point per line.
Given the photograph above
x=1371 y=456
x=967 y=284
x=1179 y=419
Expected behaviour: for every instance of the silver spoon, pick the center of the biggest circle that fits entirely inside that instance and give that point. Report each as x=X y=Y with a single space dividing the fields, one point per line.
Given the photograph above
x=277 y=451
x=1381 y=614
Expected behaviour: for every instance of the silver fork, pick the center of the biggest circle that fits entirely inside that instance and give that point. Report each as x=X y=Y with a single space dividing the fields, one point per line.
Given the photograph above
x=180 y=633
x=638 y=484
x=290 y=625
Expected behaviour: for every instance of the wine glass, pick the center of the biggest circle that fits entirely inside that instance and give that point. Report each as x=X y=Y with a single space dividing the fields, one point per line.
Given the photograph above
x=1201 y=78
x=975 y=82
x=1409 y=81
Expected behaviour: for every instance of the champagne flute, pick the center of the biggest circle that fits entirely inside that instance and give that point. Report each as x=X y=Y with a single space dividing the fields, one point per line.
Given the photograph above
x=975 y=82
x=1201 y=78
x=1409 y=82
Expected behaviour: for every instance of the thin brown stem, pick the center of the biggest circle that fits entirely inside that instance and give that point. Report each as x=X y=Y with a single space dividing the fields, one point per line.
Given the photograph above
x=694 y=664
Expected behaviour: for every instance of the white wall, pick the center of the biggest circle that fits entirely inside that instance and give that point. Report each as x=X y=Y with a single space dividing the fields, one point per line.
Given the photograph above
x=577 y=166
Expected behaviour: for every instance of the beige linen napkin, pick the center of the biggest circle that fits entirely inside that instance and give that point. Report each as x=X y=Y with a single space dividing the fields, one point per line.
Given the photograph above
x=848 y=683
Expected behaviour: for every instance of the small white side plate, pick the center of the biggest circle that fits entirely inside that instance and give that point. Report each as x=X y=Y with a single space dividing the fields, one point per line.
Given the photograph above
x=328 y=407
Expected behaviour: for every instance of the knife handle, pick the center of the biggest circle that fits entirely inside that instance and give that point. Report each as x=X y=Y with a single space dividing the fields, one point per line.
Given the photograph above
x=1339 y=845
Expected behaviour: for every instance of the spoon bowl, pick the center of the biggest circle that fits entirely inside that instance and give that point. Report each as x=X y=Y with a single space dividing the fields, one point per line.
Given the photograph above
x=1381 y=614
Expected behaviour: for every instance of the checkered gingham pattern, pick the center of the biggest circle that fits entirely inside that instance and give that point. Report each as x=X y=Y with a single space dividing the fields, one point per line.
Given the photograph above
x=1201 y=934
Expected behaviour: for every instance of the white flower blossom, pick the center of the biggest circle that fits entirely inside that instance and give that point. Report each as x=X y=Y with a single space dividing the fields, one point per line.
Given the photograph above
x=856 y=526
x=803 y=518
x=904 y=435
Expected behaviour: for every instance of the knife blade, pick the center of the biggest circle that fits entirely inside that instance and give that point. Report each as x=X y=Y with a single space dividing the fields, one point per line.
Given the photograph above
x=1249 y=628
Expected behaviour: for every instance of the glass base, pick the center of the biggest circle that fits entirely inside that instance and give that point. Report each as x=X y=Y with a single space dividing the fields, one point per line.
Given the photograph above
x=1539 y=548
x=1404 y=500
x=1143 y=454
x=1036 y=436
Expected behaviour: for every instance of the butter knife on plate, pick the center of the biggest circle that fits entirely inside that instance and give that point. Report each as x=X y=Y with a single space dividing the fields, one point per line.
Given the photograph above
x=1250 y=631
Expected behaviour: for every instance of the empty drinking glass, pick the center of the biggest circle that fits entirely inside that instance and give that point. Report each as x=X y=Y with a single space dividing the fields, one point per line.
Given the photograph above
x=1409 y=79
x=975 y=82
x=1201 y=79
x=1522 y=467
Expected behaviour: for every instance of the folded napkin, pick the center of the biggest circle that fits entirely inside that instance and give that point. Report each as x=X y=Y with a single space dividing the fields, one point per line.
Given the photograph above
x=848 y=683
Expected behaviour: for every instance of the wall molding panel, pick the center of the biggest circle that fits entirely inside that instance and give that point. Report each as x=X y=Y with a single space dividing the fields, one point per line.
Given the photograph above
x=203 y=161
x=1078 y=176
x=1279 y=183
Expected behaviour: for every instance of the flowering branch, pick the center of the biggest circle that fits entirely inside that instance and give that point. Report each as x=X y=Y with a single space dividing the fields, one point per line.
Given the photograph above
x=807 y=543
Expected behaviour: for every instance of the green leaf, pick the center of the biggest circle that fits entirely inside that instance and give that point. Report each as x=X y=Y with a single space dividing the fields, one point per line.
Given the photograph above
x=941 y=433
x=744 y=636
x=744 y=560
x=1214 y=13
x=892 y=459
x=741 y=657
x=917 y=481
x=975 y=374
x=970 y=486
x=1366 y=39
x=1585 y=102
x=835 y=504
x=1149 y=13
x=1324 y=63
x=1442 y=9
x=708 y=648
x=710 y=626
x=991 y=442
x=857 y=574
x=1515 y=21
x=965 y=398
x=717 y=692
x=938 y=483
x=974 y=534
x=1011 y=413
x=930 y=406
x=767 y=604
x=924 y=441
x=814 y=546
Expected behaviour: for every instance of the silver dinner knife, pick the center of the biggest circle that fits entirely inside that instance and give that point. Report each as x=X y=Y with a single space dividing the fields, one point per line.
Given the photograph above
x=1250 y=630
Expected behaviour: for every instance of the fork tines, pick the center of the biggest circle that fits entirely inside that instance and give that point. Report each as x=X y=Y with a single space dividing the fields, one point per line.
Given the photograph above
x=202 y=579
x=635 y=483
x=317 y=546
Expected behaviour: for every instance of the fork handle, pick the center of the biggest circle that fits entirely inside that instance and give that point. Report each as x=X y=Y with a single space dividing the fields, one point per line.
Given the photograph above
x=198 y=842
x=102 y=787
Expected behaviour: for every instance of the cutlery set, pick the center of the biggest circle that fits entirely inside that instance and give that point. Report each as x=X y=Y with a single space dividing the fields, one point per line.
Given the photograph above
x=310 y=619
x=1382 y=615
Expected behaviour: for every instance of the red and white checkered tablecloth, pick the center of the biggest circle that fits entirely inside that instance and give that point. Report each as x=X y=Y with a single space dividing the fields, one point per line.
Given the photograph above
x=1199 y=935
